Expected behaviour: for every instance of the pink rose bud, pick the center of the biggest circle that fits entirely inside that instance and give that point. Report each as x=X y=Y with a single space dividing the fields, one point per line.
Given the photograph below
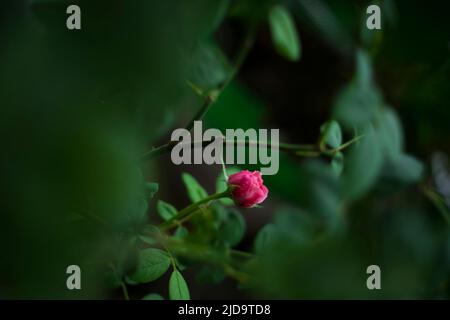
x=247 y=188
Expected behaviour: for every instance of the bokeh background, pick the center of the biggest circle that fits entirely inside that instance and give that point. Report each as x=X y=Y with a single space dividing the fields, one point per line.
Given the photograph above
x=79 y=108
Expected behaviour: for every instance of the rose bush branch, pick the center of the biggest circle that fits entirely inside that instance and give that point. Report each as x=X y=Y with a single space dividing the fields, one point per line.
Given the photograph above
x=124 y=290
x=300 y=150
x=189 y=210
x=212 y=96
x=246 y=188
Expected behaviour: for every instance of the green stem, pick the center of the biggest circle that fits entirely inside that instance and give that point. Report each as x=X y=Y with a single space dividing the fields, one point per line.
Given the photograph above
x=184 y=213
x=436 y=199
x=345 y=145
x=213 y=95
x=322 y=141
x=157 y=151
x=125 y=290
x=187 y=217
x=242 y=254
x=93 y=218
x=281 y=146
x=301 y=150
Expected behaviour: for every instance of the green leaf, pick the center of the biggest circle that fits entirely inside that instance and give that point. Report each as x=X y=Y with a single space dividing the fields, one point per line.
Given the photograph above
x=359 y=101
x=319 y=192
x=232 y=229
x=194 y=189
x=152 y=264
x=148 y=234
x=146 y=239
x=364 y=163
x=404 y=169
x=221 y=185
x=181 y=233
x=219 y=213
x=178 y=289
x=137 y=212
x=112 y=280
x=337 y=163
x=220 y=13
x=210 y=274
x=153 y=296
x=364 y=70
x=143 y=207
x=166 y=210
x=151 y=188
x=284 y=33
x=331 y=134
x=356 y=105
x=295 y=226
x=391 y=133
x=210 y=67
x=322 y=17
x=264 y=238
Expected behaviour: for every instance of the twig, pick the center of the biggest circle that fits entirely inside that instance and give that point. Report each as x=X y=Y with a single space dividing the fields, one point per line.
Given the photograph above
x=125 y=290
x=210 y=98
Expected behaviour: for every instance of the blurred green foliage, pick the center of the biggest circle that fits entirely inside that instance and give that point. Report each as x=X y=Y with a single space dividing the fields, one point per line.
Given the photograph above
x=78 y=109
